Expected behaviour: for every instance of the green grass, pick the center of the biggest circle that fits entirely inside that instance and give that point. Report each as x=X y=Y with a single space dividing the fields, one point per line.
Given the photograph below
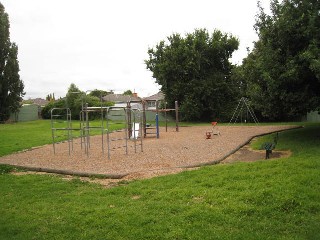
x=269 y=199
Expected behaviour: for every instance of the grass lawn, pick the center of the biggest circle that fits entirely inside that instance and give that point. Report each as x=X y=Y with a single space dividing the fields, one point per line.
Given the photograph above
x=270 y=199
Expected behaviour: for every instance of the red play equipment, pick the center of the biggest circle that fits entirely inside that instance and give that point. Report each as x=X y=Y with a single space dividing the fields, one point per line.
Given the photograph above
x=214 y=131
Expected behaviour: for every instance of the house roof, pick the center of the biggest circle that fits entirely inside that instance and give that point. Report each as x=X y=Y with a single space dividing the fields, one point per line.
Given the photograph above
x=155 y=97
x=40 y=101
x=117 y=98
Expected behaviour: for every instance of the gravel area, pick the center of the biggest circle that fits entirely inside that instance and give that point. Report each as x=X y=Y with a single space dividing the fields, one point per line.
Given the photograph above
x=171 y=153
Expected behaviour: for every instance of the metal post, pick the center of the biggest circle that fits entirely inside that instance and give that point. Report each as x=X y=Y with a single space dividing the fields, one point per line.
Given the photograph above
x=68 y=129
x=126 y=129
x=102 y=124
x=165 y=115
x=177 y=115
x=53 y=133
x=157 y=124
x=144 y=119
x=134 y=131
x=108 y=137
x=140 y=130
x=87 y=130
x=129 y=119
x=157 y=119
x=235 y=111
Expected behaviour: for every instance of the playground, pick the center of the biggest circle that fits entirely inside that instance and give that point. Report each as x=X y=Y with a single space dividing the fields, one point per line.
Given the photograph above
x=171 y=153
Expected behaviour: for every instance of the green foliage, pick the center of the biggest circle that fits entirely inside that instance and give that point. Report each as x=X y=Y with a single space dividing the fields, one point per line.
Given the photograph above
x=50 y=97
x=274 y=199
x=128 y=92
x=98 y=93
x=282 y=73
x=195 y=70
x=46 y=111
x=11 y=86
x=76 y=100
x=73 y=100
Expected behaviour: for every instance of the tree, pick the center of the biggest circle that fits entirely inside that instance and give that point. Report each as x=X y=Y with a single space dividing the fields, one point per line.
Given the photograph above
x=46 y=111
x=195 y=70
x=283 y=70
x=11 y=86
x=98 y=93
x=128 y=92
x=50 y=97
x=74 y=100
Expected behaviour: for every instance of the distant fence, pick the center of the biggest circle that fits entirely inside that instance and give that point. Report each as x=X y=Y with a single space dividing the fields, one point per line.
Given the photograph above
x=313 y=116
x=28 y=112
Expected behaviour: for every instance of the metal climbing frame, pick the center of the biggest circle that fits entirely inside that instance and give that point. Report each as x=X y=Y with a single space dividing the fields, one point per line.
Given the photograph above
x=119 y=112
x=136 y=128
x=58 y=116
x=86 y=128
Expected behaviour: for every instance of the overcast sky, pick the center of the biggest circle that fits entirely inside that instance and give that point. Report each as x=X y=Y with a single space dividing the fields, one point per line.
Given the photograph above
x=102 y=44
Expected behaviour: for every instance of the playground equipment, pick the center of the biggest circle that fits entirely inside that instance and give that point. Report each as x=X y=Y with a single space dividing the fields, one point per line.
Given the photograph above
x=118 y=112
x=208 y=135
x=243 y=110
x=85 y=127
x=61 y=116
x=214 y=131
x=130 y=117
x=136 y=130
x=154 y=130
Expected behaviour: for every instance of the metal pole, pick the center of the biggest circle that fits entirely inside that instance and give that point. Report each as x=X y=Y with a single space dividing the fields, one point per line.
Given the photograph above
x=144 y=119
x=177 y=115
x=134 y=131
x=87 y=129
x=165 y=115
x=126 y=128
x=108 y=137
x=102 y=124
x=251 y=111
x=53 y=132
x=235 y=111
x=68 y=129
x=157 y=124
x=129 y=119
x=157 y=119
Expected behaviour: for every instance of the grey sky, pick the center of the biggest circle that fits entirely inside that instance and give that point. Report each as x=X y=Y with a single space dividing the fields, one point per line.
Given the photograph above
x=101 y=44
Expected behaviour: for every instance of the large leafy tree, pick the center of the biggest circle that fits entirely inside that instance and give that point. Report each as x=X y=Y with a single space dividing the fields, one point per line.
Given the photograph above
x=11 y=86
x=75 y=99
x=195 y=70
x=98 y=93
x=283 y=70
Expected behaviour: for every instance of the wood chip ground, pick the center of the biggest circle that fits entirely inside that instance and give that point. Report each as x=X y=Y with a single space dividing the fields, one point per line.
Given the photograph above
x=171 y=153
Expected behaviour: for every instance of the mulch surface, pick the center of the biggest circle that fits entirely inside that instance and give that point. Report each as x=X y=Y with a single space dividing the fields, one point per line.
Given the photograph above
x=171 y=153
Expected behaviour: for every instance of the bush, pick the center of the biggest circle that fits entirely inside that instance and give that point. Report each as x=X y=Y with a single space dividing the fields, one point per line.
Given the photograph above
x=46 y=111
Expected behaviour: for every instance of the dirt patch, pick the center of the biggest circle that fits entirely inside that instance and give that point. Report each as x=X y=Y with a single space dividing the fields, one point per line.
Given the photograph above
x=247 y=154
x=173 y=152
